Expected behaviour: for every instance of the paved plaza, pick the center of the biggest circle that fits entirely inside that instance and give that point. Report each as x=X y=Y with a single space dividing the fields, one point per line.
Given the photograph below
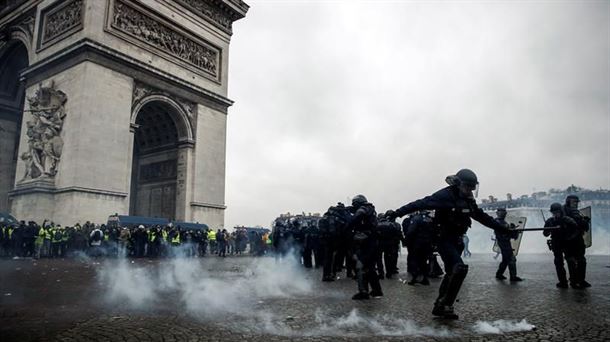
x=245 y=298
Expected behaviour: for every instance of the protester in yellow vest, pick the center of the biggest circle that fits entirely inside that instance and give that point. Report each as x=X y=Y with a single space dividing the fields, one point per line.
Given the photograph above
x=40 y=241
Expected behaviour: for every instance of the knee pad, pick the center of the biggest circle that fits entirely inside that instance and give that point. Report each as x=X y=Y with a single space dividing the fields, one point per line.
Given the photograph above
x=460 y=270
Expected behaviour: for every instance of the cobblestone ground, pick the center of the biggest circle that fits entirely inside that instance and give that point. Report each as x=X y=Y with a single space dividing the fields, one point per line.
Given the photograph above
x=71 y=300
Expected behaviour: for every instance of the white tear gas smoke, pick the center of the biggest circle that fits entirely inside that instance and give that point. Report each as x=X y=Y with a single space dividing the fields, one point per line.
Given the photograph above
x=379 y=325
x=142 y=286
x=353 y=324
x=502 y=326
x=235 y=290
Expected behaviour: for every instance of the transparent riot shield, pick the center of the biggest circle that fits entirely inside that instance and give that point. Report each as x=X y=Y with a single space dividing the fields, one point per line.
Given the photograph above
x=519 y=223
x=587 y=235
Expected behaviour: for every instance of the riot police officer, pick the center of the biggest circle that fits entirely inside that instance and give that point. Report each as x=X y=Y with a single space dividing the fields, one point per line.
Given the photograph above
x=503 y=241
x=332 y=223
x=419 y=234
x=311 y=244
x=570 y=208
x=281 y=238
x=364 y=226
x=454 y=207
x=566 y=242
x=390 y=236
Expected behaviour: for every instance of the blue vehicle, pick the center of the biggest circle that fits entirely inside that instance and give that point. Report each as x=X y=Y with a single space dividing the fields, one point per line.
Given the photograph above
x=119 y=221
x=190 y=225
x=8 y=219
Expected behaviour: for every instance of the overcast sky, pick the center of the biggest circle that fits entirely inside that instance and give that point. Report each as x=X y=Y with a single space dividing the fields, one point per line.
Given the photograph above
x=386 y=98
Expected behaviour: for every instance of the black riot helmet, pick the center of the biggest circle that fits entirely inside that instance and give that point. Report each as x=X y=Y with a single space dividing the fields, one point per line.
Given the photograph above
x=501 y=213
x=572 y=201
x=466 y=180
x=358 y=201
x=556 y=208
x=466 y=176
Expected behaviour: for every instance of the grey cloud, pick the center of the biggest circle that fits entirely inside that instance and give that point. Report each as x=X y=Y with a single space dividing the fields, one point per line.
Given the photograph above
x=387 y=98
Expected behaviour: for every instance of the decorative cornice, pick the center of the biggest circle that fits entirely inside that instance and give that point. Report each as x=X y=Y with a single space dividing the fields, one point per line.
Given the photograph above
x=14 y=9
x=217 y=12
x=7 y=6
x=59 y=21
x=88 y=50
x=208 y=205
x=47 y=188
x=150 y=31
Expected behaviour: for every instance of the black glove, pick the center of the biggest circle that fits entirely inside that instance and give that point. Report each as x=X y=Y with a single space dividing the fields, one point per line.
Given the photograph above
x=391 y=215
x=503 y=231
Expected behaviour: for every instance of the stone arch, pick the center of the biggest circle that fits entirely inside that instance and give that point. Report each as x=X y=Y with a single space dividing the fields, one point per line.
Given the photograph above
x=177 y=113
x=14 y=58
x=163 y=138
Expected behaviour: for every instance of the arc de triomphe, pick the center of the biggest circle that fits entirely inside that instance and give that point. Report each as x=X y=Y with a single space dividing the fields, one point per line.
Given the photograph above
x=114 y=106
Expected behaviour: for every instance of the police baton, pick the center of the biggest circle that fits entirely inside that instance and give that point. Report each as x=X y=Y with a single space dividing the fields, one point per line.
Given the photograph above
x=535 y=229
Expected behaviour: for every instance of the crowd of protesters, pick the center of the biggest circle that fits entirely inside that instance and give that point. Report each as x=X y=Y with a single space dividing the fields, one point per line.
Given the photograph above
x=51 y=240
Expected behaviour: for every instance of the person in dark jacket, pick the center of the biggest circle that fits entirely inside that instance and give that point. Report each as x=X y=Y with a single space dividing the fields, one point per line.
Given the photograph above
x=419 y=238
x=454 y=208
x=390 y=235
x=566 y=242
x=503 y=241
x=570 y=208
x=365 y=248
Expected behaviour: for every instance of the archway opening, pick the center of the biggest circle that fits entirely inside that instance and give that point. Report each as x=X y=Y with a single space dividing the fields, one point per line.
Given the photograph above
x=13 y=60
x=155 y=161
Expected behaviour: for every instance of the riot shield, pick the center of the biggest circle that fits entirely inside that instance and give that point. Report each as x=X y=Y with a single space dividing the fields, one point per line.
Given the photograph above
x=587 y=235
x=519 y=223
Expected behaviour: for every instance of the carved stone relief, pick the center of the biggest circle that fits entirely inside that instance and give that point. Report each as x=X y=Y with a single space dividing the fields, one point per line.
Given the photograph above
x=61 y=20
x=44 y=141
x=212 y=11
x=158 y=33
x=26 y=25
x=141 y=90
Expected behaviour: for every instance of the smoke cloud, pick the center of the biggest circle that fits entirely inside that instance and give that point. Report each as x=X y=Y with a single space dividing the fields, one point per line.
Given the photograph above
x=138 y=285
x=502 y=326
x=209 y=288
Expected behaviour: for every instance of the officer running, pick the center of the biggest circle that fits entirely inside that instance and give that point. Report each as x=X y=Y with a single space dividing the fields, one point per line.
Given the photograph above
x=454 y=207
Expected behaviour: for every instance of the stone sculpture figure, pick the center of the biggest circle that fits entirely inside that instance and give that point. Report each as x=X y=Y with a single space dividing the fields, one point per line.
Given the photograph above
x=44 y=141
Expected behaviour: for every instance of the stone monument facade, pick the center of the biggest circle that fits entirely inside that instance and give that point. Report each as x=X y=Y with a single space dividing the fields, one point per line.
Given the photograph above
x=114 y=106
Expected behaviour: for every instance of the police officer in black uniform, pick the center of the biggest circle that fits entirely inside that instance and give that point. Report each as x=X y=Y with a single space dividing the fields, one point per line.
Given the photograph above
x=334 y=221
x=503 y=241
x=570 y=208
x=390 y=236
x=566 y=242
x=365 y=248
x=281 y=237
x=419 y=234
x=454 y=207
x=311 y=244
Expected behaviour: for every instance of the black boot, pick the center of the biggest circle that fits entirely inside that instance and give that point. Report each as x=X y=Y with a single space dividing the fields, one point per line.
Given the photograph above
x=376 y=294
x=562 y=284
x=361 y=296
x=444 y=311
